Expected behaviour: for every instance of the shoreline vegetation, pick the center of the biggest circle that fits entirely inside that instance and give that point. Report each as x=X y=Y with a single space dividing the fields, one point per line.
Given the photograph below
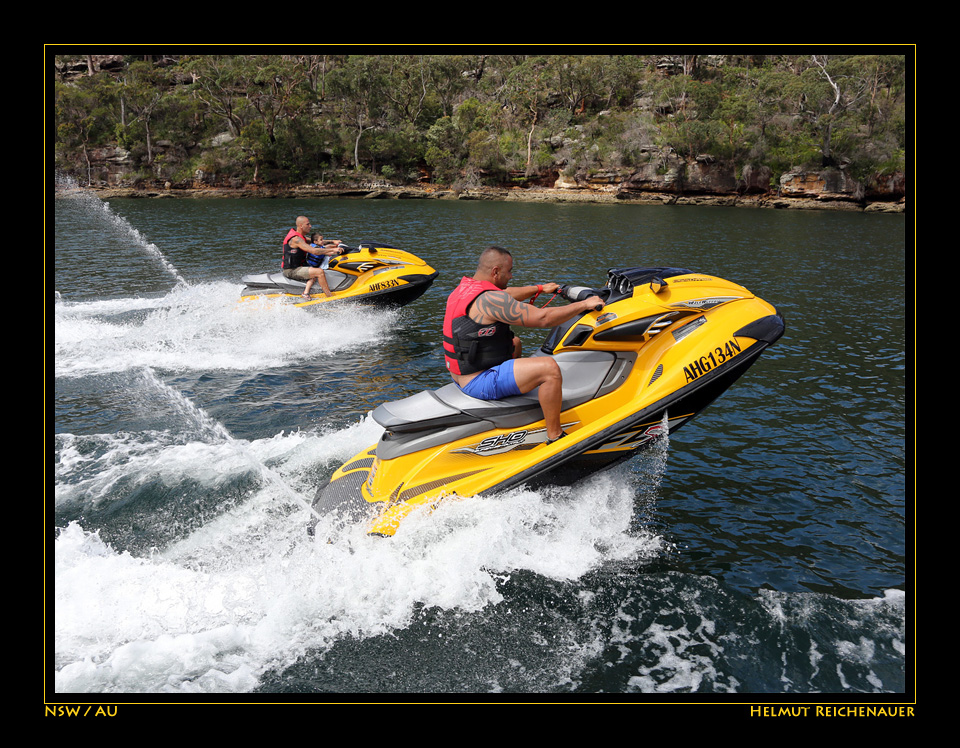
x=527 y=194
x=763 y=129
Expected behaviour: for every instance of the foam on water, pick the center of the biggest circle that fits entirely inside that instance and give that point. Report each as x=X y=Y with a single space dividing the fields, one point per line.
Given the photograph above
x=249 y=591
x=245 y=590
x=201 y=328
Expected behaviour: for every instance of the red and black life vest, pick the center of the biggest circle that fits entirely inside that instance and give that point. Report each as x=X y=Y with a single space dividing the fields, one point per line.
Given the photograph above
x=293 y=257
x=469 y=346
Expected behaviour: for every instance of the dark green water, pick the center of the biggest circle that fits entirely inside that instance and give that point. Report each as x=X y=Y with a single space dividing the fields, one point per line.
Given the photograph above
x=764 y=551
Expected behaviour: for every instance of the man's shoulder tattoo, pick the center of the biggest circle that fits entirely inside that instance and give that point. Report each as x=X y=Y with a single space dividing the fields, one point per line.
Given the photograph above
x=501 y=306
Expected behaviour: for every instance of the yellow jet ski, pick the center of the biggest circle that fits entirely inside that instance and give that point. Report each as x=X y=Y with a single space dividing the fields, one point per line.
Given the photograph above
x=666 y=343
x=369 y=274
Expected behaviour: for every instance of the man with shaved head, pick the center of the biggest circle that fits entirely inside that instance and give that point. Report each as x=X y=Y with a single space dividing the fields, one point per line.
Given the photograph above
x=296 y=246
x=481 y=351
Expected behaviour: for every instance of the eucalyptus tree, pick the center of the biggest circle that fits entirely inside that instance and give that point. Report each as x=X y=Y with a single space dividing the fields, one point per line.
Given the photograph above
x=219 y=82
x=83 y=118
x=359 y=86
x=143 y=89
x=842 y=87
x=577 y=81
x=450 y=78
x=256 y=97
x=524 y=96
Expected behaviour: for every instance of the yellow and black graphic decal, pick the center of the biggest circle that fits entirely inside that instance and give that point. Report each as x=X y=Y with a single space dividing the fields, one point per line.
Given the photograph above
x=415 y=491
x=634 y=437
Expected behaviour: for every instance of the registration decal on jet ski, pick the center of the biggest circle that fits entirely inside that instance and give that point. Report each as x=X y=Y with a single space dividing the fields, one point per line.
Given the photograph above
x=384 y=284
x=718 y=356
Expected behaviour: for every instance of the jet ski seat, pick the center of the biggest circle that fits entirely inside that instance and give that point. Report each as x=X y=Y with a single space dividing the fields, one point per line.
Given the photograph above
x=433 y=417
x=335 y=279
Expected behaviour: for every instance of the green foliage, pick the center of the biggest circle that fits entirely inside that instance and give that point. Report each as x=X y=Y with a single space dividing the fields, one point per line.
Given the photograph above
x=444 y=152
x=482 y=117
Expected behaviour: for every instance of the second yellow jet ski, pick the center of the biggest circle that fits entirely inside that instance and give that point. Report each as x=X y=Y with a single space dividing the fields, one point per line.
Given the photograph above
x=666 y=343
x=368 y=274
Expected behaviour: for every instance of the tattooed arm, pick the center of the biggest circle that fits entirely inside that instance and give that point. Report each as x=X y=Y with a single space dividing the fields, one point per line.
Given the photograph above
x=522 y=293
x=501 y=306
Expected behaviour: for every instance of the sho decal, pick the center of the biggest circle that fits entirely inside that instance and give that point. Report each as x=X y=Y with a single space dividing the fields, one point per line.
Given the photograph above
x=718 y=356
x=494 y=445
x=384 y=284
x=501 y=442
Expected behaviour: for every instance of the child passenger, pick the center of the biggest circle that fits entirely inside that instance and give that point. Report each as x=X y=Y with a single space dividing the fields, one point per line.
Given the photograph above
x=330 y=247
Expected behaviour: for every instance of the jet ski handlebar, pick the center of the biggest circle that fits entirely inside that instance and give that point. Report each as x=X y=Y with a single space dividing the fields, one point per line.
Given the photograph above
x=579 y=293
x=371 y=247
x=621 y=283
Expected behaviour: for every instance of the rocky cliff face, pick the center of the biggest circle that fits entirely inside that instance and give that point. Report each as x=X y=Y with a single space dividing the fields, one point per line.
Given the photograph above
x=705 y=177
x=702 y=180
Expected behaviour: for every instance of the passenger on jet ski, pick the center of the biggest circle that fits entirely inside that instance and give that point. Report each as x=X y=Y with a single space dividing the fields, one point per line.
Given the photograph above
x=481 y=351
x=327 y=249
x=296 y=248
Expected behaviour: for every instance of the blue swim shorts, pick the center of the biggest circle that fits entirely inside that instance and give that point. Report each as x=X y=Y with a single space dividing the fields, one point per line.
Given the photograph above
x=493 y=384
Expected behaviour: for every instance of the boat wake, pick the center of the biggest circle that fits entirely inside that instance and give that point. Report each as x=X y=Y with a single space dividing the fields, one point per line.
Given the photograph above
x=203 y=328
x=223 y=592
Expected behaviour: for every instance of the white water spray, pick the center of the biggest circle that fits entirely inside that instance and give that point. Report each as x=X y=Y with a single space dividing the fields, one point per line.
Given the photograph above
x=219 y=432
x=652 y=467
x=67 y=187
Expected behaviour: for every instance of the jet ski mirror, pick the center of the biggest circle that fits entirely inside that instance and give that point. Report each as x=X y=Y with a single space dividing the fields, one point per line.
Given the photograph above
x=657 y=285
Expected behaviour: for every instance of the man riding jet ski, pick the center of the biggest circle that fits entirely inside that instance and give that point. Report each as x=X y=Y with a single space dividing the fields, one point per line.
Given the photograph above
x=297 y=253
x=372 y=273
x=482 y=353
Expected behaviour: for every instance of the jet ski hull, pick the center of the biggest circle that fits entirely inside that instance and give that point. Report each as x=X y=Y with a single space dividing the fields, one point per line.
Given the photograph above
x=372 y=274
x=650 y=360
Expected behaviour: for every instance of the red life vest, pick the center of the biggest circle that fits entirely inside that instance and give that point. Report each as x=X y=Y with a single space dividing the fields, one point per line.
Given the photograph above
x=293 y=257
x=468 y=346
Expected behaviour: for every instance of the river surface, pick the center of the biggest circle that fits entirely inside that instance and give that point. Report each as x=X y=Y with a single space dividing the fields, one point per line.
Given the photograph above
x=766 y=549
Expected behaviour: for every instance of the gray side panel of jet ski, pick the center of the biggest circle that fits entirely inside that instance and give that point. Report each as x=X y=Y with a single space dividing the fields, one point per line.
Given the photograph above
x=278 y=281
x=393 y=445
x=338 y=281
x=618 y=373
